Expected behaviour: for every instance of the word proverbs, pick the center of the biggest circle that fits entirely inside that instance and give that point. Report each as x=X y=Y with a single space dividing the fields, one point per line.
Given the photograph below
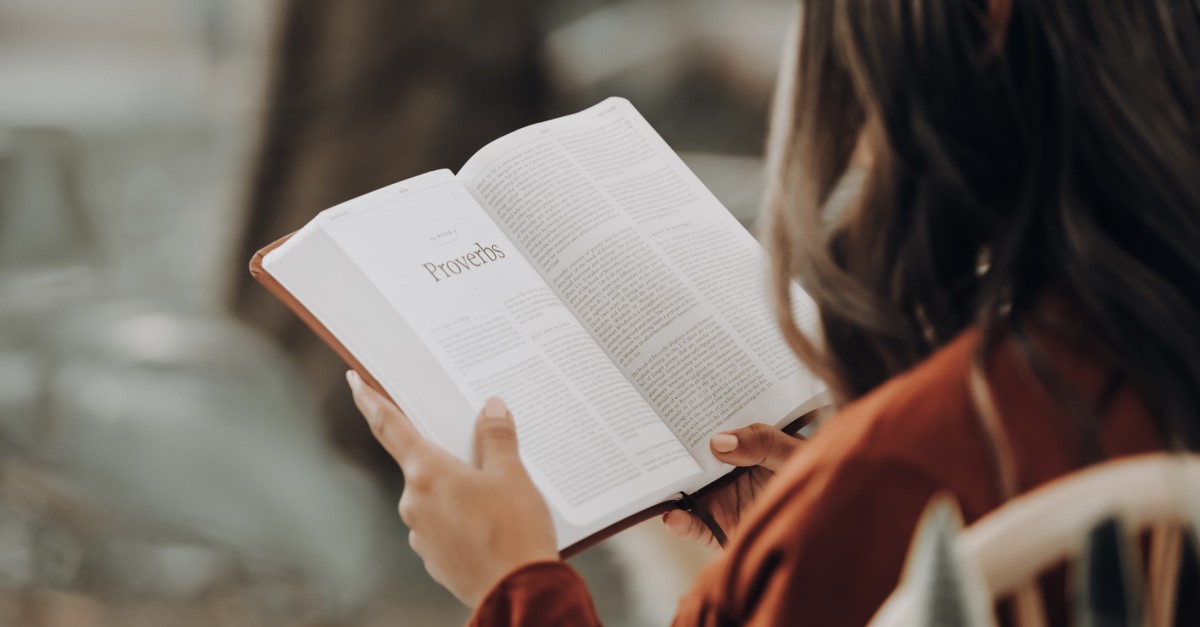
x=481 y=255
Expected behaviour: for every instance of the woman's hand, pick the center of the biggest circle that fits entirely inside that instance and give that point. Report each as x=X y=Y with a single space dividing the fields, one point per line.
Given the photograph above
x=471 y=525
x=764 y=450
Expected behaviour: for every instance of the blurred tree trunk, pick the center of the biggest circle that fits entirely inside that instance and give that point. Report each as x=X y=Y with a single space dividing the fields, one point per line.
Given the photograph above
x=365 y=93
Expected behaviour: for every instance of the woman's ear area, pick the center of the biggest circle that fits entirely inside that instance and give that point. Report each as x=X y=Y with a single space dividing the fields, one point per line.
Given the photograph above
x=865 y=149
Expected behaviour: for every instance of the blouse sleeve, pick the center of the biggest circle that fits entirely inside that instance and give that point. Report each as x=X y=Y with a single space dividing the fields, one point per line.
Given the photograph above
x=541 y=593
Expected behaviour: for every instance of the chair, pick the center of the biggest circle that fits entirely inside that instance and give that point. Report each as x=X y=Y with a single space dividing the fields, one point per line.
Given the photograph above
x=953 y=575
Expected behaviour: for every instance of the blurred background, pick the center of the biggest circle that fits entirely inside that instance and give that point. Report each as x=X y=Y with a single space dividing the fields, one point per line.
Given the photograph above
x=175 y=448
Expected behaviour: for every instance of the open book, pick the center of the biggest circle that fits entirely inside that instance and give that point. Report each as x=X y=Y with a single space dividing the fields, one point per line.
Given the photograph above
x=579 y=270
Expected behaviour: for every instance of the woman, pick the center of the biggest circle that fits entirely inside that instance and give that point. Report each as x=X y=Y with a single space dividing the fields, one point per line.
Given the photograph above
x=1014 y=294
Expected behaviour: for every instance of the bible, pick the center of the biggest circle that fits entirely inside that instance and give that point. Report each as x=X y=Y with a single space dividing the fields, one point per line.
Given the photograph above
x=579 y=270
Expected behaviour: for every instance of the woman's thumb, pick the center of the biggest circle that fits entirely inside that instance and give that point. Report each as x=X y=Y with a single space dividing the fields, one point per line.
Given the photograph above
x=755 y=445
x=495 y=437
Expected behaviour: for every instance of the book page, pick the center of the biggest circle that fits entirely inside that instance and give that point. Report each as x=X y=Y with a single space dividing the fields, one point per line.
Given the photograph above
x=659 y=272
x=590 y=441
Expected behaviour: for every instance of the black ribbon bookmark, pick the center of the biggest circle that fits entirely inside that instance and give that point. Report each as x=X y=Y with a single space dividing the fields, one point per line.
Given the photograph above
x=689 y=505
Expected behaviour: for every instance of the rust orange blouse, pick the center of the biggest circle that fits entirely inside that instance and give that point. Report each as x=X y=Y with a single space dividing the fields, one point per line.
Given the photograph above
x=825 y=543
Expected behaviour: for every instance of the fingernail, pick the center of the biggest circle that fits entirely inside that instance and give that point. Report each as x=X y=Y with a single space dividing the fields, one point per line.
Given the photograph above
x=353 y=379
x=495 y=408
x=724 y=442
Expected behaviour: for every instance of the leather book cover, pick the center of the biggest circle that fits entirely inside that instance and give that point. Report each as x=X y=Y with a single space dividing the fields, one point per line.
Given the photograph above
x=697 y=498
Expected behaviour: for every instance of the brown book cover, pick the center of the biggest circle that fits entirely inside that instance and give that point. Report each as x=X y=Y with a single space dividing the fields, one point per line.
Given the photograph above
x=693 y=503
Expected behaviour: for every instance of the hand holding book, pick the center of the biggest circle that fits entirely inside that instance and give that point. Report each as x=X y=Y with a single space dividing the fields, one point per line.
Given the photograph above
x=759 y=448
x=455 y=510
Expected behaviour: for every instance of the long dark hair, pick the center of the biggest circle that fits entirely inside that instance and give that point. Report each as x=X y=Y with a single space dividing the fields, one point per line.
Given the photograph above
x=1016 y=147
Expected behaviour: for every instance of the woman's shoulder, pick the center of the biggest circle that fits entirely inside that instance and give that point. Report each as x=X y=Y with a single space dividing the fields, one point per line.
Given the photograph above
x=925 y=420
x=922 y=421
